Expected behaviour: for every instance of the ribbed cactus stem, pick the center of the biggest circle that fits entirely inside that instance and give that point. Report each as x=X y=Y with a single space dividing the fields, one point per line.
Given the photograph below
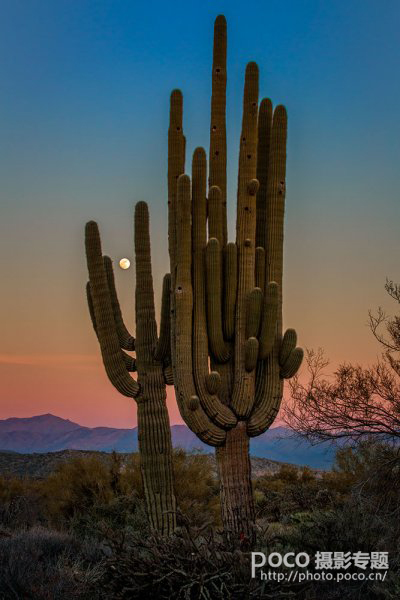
x=126 y=340
x=211 y=403
x=213 y=382
x=263 y=146
x=243 y=393
x=228 y=296
x=90 y=306
x=292 y=363
x=289 y=342
x=154 y=434
x=260 y=268
x=146 y=326
x=193 y=403
x=269 y=319
x=217 y=174
x=168 y=375
x=197 y=420
x=129 y=361
x=155 y=449
x=104 y=316
x=176 y=166
x=215 y=224
x=253 y=314
x=218 y=347
x=163 y=348
x=230 y=282
x=251 y=353
x=276 y=203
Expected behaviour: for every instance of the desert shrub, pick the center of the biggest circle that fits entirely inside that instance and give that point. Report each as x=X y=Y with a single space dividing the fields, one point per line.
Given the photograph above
x=287 y=491
x=196 y=488
x=20 y=504
x=363 y=517
x=90 y=495
x=187 y=566
x=46 y=565
x=76 y=486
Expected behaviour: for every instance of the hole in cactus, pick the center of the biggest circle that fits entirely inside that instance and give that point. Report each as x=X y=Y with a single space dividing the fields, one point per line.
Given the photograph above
x=216 y=152
x=217 y=70
x=249 y=156
x=214 y=128
x=178 y=128
x=179 y=288
x=246 y=208
x=243 y=139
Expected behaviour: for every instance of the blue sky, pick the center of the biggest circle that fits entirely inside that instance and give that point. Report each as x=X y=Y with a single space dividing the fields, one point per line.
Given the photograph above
x=85 y=99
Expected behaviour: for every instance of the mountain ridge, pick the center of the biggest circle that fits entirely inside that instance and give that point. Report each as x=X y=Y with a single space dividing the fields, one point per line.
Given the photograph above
x=49 y=433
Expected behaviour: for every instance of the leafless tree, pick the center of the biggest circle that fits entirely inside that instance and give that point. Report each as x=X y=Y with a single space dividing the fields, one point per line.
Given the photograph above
x=355 y=403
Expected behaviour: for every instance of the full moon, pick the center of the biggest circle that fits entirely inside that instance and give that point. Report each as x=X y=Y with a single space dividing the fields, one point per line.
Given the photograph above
x=124 y=263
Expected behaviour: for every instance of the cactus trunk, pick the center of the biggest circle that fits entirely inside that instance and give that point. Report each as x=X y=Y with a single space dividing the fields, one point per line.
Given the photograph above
x=152 y=362
x=236 y=494
x=156 y=460
x=228 y=353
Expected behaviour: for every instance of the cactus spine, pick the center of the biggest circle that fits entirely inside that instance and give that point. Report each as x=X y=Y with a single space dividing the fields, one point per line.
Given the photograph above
x=228 y=355
x=152 y=361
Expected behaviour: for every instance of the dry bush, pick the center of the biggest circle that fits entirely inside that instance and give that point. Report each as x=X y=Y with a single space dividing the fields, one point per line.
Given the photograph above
x=46 y=565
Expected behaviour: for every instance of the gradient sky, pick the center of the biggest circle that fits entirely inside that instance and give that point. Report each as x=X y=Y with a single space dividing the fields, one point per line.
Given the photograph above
x=85 y=97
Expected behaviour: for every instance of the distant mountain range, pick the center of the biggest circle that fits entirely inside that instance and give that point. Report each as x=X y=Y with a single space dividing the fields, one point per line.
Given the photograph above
x=48 y=433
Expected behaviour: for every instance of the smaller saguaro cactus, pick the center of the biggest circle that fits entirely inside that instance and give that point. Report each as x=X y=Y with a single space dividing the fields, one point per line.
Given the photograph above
x=229 y=354
x=152 y=361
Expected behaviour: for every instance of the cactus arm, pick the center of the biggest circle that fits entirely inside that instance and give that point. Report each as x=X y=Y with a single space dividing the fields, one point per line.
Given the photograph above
x=196 y=419
x=260 y=268
x=206 y=383
x=265 y=414
x=243 y=391
x=251 y=353
x=91 y=307
x=263 y=146
x=146 y=326
x=182 y=304
x=163 y=348
x=129 y=361
x=176 y=166
x=269 y=320
x=292 y=363
x=168 y=375
x=276 y=204
x=215 y=225
x=270 y=374
x=126 y=340
x=230 y=283
x=217 y=175
x=104 y=316
x=289 y=342
x=253 y=312
x=219 y=348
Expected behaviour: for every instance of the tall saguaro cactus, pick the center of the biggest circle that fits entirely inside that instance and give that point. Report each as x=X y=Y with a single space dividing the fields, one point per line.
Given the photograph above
x=229 y=356
x=152 y=361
